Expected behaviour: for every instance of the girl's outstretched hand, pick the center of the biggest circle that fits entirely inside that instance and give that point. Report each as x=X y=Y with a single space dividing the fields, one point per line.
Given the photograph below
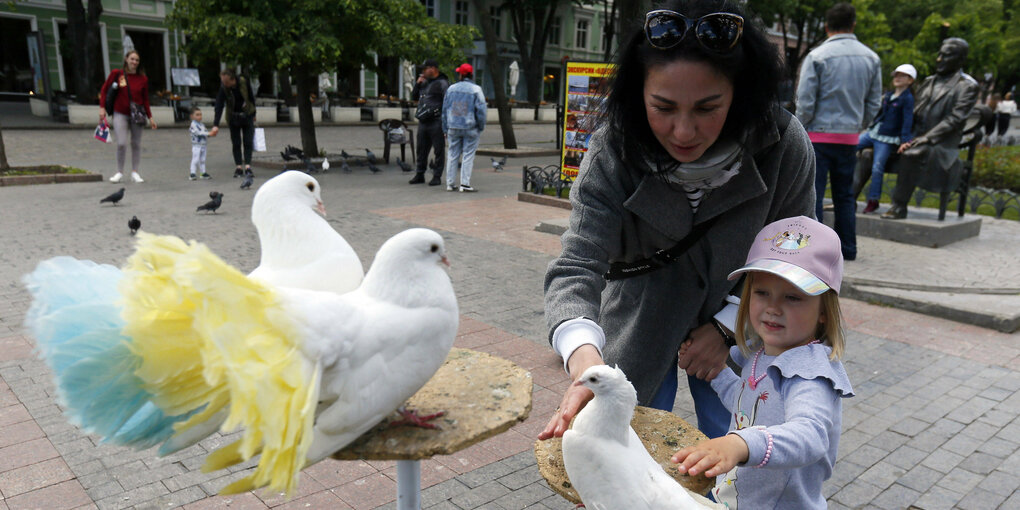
x=713 y=457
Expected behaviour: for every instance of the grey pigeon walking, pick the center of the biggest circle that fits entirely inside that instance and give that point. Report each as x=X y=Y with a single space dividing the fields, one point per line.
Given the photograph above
x=114 y=197
x=247 y=181
x=134 y=224
x=345 y=167
x=343 y=154
x=213 y=204
x=497 y=164
x=371 y=156
x=403 y=165
x=373 y=168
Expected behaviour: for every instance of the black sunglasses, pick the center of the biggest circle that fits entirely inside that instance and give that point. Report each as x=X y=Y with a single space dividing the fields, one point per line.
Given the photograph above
x=718 y=31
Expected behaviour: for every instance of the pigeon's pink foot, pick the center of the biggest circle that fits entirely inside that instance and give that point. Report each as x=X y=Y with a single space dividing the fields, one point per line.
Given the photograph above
x=413 y=419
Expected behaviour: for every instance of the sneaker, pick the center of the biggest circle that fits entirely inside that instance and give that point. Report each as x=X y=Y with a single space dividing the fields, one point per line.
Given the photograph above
x=117 y=177
x=436 y=181
x=238 y=172
x=192 y=177
x=417 y=179
x=464 y=188
x=206 y=176
x=137 y=178
x=450 y=187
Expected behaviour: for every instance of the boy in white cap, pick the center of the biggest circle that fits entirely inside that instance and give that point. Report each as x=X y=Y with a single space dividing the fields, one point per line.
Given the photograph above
x=463 y=122
x=890 y=131
x=786 y=403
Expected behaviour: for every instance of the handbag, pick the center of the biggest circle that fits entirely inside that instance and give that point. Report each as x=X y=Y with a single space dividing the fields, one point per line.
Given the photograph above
x=138 y=115
x=426 y=113
x=102 y=132
x=111 y=97
x=259 y=143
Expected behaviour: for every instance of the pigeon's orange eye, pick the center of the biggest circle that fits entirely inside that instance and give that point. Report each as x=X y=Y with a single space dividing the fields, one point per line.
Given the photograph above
x=435 y=248
x=311 y=187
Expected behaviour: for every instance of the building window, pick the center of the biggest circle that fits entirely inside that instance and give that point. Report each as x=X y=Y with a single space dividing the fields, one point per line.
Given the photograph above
x=605 y=42
x=497 y=20
x=554 y=32
x=460 y=12
x=430 y=7
x=581 y=34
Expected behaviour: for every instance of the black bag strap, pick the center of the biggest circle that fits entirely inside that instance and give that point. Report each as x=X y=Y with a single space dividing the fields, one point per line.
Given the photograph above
x=659 y=259
x=662 y=258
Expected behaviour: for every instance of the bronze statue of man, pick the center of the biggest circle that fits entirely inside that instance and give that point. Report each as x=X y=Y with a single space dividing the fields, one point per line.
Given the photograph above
x=942 y=105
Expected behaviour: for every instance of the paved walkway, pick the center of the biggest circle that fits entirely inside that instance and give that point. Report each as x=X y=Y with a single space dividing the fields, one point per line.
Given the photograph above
x=934 y=424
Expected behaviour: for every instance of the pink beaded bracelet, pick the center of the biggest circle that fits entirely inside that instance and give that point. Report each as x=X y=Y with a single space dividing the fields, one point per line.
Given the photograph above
x=768 y=448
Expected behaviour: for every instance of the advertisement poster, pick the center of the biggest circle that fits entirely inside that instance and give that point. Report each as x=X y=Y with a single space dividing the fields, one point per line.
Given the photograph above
x=586 y=88
x=34 y=60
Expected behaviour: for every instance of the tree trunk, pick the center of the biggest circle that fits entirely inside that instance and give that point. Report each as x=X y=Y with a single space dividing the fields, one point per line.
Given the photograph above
x=305 y=88
x=495 y=72
x=83 y=32
x=631 y=18
x=4 y=165
x=533 y=58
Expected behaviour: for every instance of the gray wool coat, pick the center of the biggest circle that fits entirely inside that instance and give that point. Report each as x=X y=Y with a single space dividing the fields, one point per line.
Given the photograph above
x=621 y=213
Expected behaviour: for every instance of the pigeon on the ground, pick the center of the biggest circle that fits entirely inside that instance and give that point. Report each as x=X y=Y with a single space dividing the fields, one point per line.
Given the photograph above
x=248 y=178
x=604 y=457
x=134 y=224
x=309 y=167
x=497 y=164
x=343 y=154
x=299 y=373
x=403 y=165
x=212 y=205
x=325 y=165
x=371 y=156
x=345 y=167
x=373 y=168
x=287 y=157
x=294 y=151
x=114 y=197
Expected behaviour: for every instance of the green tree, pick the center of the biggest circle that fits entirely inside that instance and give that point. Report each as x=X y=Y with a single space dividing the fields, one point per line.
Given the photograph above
x=308 y=37
x=86 y=49
x=800 y=21
x=495 y=74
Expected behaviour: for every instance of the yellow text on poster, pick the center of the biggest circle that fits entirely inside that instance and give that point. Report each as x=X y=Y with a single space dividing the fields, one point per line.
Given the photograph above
x=586 y=88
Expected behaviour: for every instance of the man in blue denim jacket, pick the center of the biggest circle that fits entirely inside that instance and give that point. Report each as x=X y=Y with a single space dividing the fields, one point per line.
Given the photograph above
x=839 y=92
x=463 y=122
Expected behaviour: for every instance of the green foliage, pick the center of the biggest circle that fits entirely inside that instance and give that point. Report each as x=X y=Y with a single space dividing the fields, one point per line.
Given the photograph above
x=314 y=35
x=997 y=168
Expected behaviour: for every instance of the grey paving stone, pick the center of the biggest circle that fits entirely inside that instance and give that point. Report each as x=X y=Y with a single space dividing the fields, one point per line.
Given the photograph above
x=982 y=463
x=909 y=427
x=978 y=499
x=857 y=493
x=888 y=440
x=521 y=478
x=998 y=447
x=921 y=478
x=962 y=445
x=882 y=474
x=485 y=474
x=525 y=496
x=906 y=457
x=866 y=455
x=971 y=410
x=996 y=393
x=1000 y=482
x=998 y=417
x=938 y=498
x=896 y=497
x=960 y=480
x=480 y=495
x=942 y=460
x=845 y=472
x=1012 y=503
x=979 y=430
x=445 y=505
x=442 y=491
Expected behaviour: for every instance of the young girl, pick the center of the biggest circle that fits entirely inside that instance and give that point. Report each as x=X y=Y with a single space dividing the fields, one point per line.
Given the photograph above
x=785 y=405
x=891 y=129
x=199 y=139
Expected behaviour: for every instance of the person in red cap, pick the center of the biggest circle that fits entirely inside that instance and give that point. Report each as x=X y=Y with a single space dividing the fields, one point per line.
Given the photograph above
x=463 y=122
x=429 y=90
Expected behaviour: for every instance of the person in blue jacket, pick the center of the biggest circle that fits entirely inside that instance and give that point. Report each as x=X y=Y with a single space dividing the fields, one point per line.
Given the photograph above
x=890 y=131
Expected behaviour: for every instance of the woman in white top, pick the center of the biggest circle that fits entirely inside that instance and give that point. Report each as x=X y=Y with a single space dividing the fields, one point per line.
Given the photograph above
x=1003 y=111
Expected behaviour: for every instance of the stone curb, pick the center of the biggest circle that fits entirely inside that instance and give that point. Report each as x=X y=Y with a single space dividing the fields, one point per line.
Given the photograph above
x=27 y=180
x=915 y=301
x=562 y=203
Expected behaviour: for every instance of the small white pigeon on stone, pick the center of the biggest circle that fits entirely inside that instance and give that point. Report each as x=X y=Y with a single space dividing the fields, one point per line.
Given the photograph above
x=604 y=458
x=299 y=247
x=325 y=165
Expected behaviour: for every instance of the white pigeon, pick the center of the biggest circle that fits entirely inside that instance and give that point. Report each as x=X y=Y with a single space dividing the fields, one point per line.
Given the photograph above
x=325 y=165
x=299 y=247
x=299 y=373
x=604 y=458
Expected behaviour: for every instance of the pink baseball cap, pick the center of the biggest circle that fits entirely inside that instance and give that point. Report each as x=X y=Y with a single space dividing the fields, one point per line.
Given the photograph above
x=802 y=251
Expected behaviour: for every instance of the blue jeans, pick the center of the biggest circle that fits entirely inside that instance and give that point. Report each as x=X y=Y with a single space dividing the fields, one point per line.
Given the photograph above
x=713 y=418
x=882 y=151
x=836 y=162
x=460 y=154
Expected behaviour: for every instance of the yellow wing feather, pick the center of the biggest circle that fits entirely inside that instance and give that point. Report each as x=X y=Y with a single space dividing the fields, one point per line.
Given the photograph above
x=210 y=337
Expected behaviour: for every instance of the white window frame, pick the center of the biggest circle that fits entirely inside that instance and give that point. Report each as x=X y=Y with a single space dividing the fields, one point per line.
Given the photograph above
x=461 y=17
x=430 y=8
x=578 y=33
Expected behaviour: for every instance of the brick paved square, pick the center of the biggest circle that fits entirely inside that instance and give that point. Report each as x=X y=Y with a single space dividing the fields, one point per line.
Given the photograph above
x=896 y=497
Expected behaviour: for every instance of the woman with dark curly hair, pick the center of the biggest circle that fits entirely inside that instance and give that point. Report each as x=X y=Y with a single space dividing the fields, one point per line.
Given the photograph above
x=691 y=158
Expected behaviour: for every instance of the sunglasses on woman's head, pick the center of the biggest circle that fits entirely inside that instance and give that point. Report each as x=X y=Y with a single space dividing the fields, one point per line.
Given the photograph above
x=718 y=31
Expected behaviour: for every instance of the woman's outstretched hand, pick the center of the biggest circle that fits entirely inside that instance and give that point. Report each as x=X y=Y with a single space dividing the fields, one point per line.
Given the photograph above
x=576 y=396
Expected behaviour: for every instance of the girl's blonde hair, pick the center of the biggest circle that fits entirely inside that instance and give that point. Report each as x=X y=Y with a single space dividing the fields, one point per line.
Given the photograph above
x=829 y=332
